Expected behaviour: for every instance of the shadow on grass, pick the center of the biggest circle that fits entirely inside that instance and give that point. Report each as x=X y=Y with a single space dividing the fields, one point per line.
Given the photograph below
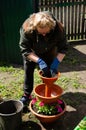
x=76 y=110
x=75 y=59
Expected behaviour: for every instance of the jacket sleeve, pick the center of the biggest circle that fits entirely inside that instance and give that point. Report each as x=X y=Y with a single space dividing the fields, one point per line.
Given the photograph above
x=25 y=43
x=62 y=41
x=62 y=44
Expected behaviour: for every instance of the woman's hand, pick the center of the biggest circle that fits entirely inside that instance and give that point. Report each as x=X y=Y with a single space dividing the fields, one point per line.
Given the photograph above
x=43 y=66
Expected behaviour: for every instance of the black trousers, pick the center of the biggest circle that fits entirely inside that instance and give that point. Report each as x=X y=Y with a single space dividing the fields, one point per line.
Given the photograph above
x=28 y=76
x=29 y=68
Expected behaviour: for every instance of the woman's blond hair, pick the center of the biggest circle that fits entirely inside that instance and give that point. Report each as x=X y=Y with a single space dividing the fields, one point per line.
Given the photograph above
x=40 y=19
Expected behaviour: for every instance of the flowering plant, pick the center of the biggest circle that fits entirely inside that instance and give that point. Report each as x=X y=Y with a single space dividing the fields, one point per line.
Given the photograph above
x=47 y=108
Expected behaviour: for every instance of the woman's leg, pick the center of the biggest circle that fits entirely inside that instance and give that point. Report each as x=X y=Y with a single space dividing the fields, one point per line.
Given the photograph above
x=28 y=77
x=28 y=80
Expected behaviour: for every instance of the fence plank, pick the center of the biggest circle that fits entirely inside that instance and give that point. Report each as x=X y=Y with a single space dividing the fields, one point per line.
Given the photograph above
x=79 y=20
x=65 y=19
x=83 y=23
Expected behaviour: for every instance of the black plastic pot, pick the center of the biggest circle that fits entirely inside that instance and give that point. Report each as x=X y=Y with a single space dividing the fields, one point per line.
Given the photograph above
x=10 y=115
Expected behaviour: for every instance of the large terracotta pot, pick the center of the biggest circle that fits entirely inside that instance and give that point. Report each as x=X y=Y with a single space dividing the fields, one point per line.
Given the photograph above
x=54 y=92
x=46 y=118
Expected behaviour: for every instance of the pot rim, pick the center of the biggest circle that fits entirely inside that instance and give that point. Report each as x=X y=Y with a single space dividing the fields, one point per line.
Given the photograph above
x=51 y=78
x=43 y=97
x=11 y=114
x=46 y=116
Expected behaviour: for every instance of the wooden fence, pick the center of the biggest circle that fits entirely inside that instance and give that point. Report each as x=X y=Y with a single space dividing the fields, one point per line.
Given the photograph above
x=72 y=13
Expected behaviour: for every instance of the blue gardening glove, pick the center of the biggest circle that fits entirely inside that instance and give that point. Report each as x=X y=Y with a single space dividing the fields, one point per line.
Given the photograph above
x=43 y=66
x=54 y=66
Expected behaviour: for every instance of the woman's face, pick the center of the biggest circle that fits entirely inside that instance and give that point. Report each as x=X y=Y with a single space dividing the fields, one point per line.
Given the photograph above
x=43 y=31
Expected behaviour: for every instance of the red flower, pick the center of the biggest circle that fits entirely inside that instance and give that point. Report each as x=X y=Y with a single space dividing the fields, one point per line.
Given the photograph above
x=59 y=109
x=34 y=101
x=41 y=104
x=59 y=101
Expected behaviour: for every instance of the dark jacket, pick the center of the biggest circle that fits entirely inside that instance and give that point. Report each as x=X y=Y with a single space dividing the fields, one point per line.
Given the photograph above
x=42 y=44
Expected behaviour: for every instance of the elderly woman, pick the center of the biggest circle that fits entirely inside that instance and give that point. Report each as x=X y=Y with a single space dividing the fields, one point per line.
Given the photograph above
x=42 y=43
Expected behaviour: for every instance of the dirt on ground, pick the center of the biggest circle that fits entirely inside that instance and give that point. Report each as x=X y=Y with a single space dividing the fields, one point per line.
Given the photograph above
x=75 y=98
